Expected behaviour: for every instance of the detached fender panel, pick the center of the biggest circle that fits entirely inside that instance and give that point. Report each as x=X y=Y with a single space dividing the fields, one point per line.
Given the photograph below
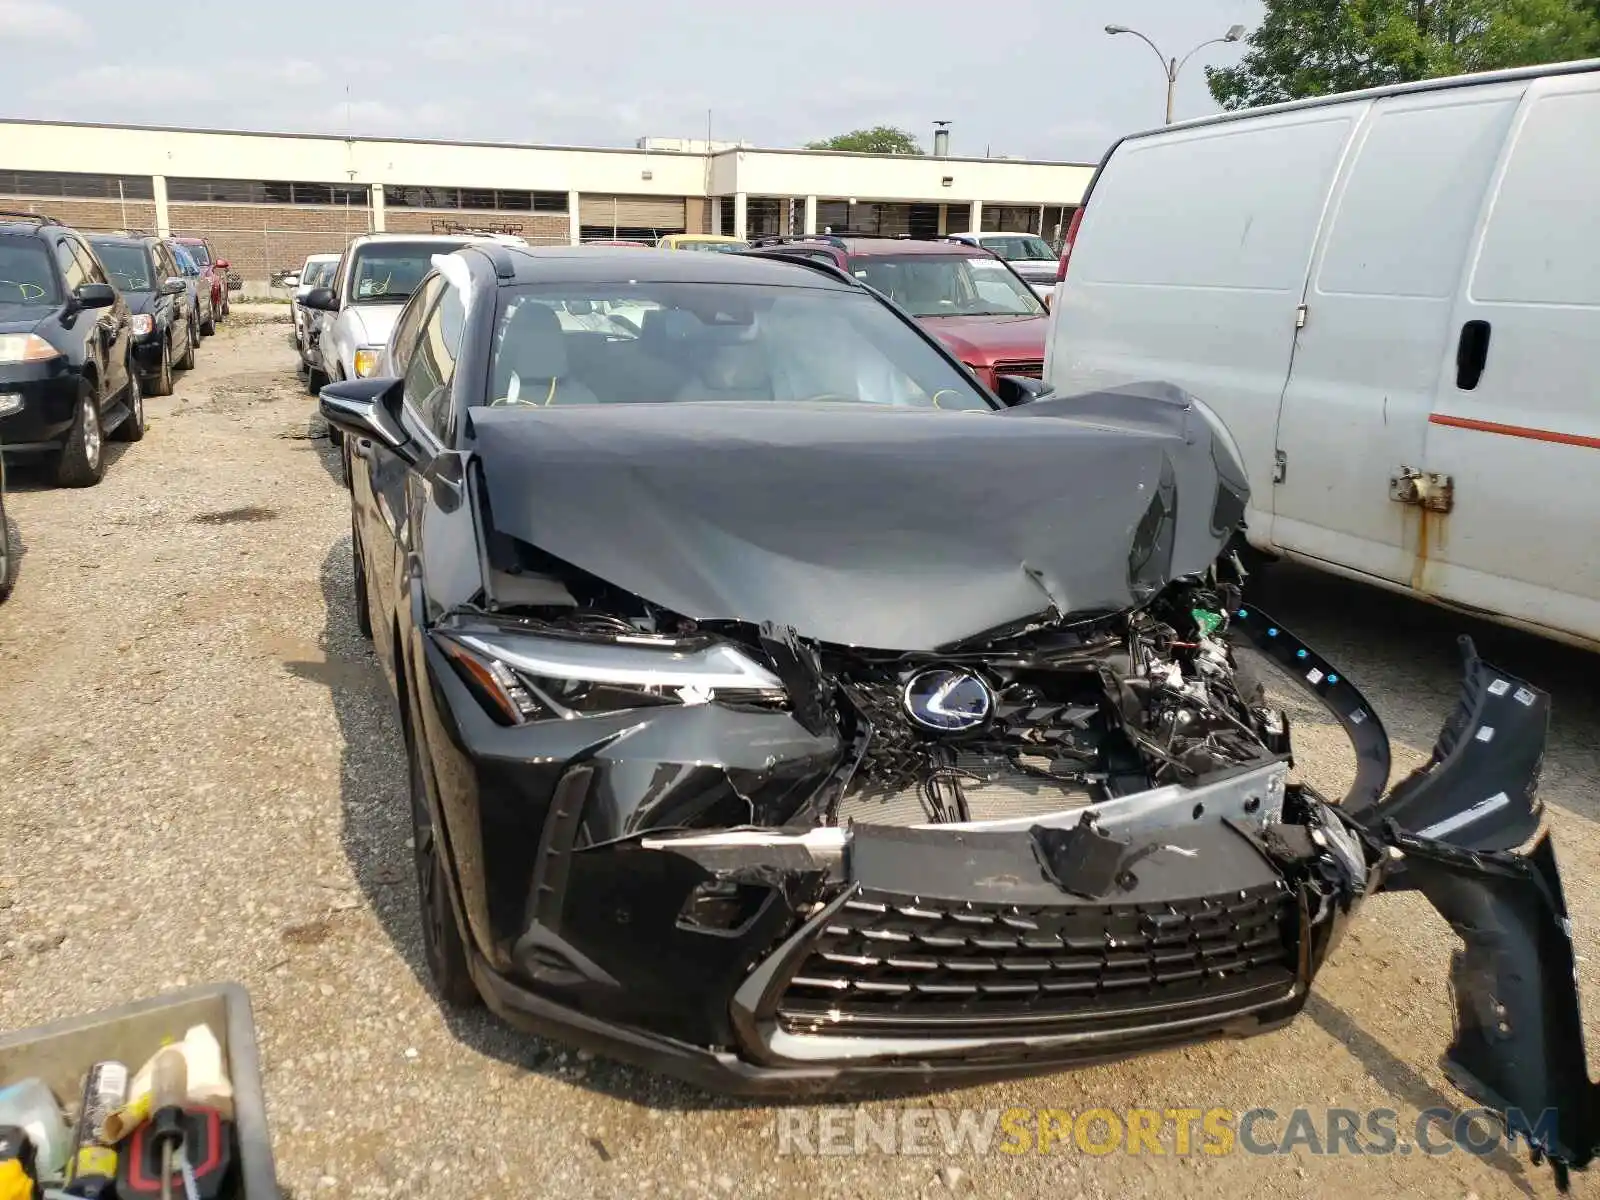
x=1518 y=1046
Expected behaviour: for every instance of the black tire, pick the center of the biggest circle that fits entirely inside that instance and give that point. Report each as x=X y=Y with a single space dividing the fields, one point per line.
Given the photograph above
x=442 y=947
x=191 y=339
x=358 y=563
x=225 y=306
x=8 y=565
x=82 y=462
x=315 y=380
x=161 y=385
x=132 y=427
x=209 y=325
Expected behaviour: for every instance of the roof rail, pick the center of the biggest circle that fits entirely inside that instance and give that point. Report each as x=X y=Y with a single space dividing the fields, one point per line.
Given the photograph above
x=499 y=257
x=826 y=265
x=12 y=214
x=785 y=239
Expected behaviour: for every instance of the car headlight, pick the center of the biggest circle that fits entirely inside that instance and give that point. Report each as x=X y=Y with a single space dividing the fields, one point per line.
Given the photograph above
x=366 y=362
x=25 y=347
x=521 y=678
x=142 y=324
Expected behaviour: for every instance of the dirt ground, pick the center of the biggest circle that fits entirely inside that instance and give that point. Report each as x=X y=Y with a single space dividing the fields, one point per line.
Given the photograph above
x=203 y=782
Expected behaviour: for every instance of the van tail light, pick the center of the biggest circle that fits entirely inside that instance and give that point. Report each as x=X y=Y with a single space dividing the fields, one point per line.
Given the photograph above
x=1066 y=244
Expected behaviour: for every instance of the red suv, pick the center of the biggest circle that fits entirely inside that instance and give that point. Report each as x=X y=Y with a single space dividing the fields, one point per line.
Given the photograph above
x=213 y=270
x=968 y=298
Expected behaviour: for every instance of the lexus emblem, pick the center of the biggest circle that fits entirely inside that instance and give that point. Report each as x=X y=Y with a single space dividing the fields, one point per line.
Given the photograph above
x=948 y=700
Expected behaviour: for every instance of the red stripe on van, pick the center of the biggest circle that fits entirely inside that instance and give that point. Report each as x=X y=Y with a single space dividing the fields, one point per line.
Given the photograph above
x=1521 y=431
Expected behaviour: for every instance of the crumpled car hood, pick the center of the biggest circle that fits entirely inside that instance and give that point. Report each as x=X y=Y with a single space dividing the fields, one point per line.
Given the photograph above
x=868 y=526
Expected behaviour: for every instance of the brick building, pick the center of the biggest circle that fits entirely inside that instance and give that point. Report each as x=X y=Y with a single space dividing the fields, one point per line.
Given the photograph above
x=267 y=200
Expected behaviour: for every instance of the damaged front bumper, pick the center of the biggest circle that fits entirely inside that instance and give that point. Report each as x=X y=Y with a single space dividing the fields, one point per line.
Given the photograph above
x=684 y=911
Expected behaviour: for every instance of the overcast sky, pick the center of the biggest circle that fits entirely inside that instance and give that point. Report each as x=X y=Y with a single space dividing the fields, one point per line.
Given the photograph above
x=1035 y=78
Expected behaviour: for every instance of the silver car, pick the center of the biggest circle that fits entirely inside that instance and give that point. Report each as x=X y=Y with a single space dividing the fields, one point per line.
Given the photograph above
x=316 y=272
x=358 y=307
x=1029 y=254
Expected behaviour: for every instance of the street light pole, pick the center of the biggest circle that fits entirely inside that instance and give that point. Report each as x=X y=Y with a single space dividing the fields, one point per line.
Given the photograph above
x=1171 y=66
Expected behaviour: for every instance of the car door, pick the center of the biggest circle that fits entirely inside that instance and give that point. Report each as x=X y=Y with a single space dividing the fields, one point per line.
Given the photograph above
x=445 y=544
x=115 y=328
x=1516 y=421
x=88 y=324
x=177 y=305
x=1374 y=319
x=378 y=483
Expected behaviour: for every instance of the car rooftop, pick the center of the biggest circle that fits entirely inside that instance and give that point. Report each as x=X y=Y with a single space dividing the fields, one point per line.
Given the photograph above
x=573 y=264
x=869 y=247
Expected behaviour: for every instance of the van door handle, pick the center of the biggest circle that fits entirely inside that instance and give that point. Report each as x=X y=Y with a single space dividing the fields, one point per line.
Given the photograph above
x=1472 y=354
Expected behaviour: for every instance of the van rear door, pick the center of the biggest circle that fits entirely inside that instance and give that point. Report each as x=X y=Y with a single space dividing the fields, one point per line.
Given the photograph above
x=1516 y=423
x=1190 y=259
x=1377 y=315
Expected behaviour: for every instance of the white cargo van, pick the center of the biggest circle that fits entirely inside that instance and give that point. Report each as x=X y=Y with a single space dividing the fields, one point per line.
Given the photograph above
x=1392 y=297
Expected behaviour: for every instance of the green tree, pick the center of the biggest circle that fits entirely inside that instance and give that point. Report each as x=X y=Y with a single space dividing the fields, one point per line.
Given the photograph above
x=1318 y=47
x=880 y=139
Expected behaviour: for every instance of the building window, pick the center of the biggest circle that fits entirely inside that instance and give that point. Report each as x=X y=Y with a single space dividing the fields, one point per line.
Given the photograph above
x=763 y=216
x=71 y=185
x=257 y=191
x=725 y=215
x=405 y=195
x=1011 y=218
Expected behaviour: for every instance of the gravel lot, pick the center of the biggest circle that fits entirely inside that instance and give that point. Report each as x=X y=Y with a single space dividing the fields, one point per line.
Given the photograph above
x=204 y=782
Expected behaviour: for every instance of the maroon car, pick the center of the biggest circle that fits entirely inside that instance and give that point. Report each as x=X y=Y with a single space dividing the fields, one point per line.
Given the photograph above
x=213 y=271
x=968 y=298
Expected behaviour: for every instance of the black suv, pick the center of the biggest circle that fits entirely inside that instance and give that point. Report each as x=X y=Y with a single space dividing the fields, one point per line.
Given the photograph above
x=166 y=327
x=66 y=356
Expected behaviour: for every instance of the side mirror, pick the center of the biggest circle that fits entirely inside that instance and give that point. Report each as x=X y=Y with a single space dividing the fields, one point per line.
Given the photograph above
x=290 y=281
x=96 y=295
x=222 y=264
x=174 y=287
x=370 y=408
x=1014 y=390
x=322 y=299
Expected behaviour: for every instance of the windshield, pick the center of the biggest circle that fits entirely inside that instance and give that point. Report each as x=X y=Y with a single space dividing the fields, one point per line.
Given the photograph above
x=198 y=251
x=25 y=275
x=390 y=271
x=1020 y=247
x=632 y=343
x=949 y=285
x=317 y=274
x=184 y=259
x=128 y=266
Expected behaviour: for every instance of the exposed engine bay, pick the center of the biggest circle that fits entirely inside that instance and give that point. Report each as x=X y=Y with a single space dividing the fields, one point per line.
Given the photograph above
x=1035 y=722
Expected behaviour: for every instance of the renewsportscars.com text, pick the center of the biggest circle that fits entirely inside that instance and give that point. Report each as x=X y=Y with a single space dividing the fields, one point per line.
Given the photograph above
x=1151 y=1131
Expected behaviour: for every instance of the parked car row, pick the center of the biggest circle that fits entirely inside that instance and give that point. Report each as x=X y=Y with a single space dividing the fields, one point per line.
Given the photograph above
x=90 y=323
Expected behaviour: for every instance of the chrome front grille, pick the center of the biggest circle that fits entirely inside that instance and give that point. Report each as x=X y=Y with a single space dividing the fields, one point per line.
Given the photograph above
x=905 y=966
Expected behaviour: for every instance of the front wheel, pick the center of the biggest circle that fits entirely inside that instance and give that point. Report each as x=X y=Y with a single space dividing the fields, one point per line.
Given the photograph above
x=442 y=947
x=132 y=427
x=82 y=461
x=190 y=340
x=358 y=563
x=209 y=325
x=7 y=565
x=161 y=385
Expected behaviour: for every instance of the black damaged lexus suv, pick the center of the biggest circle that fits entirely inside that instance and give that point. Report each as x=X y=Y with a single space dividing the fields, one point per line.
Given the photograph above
x=787 y=711
x=67 y=376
